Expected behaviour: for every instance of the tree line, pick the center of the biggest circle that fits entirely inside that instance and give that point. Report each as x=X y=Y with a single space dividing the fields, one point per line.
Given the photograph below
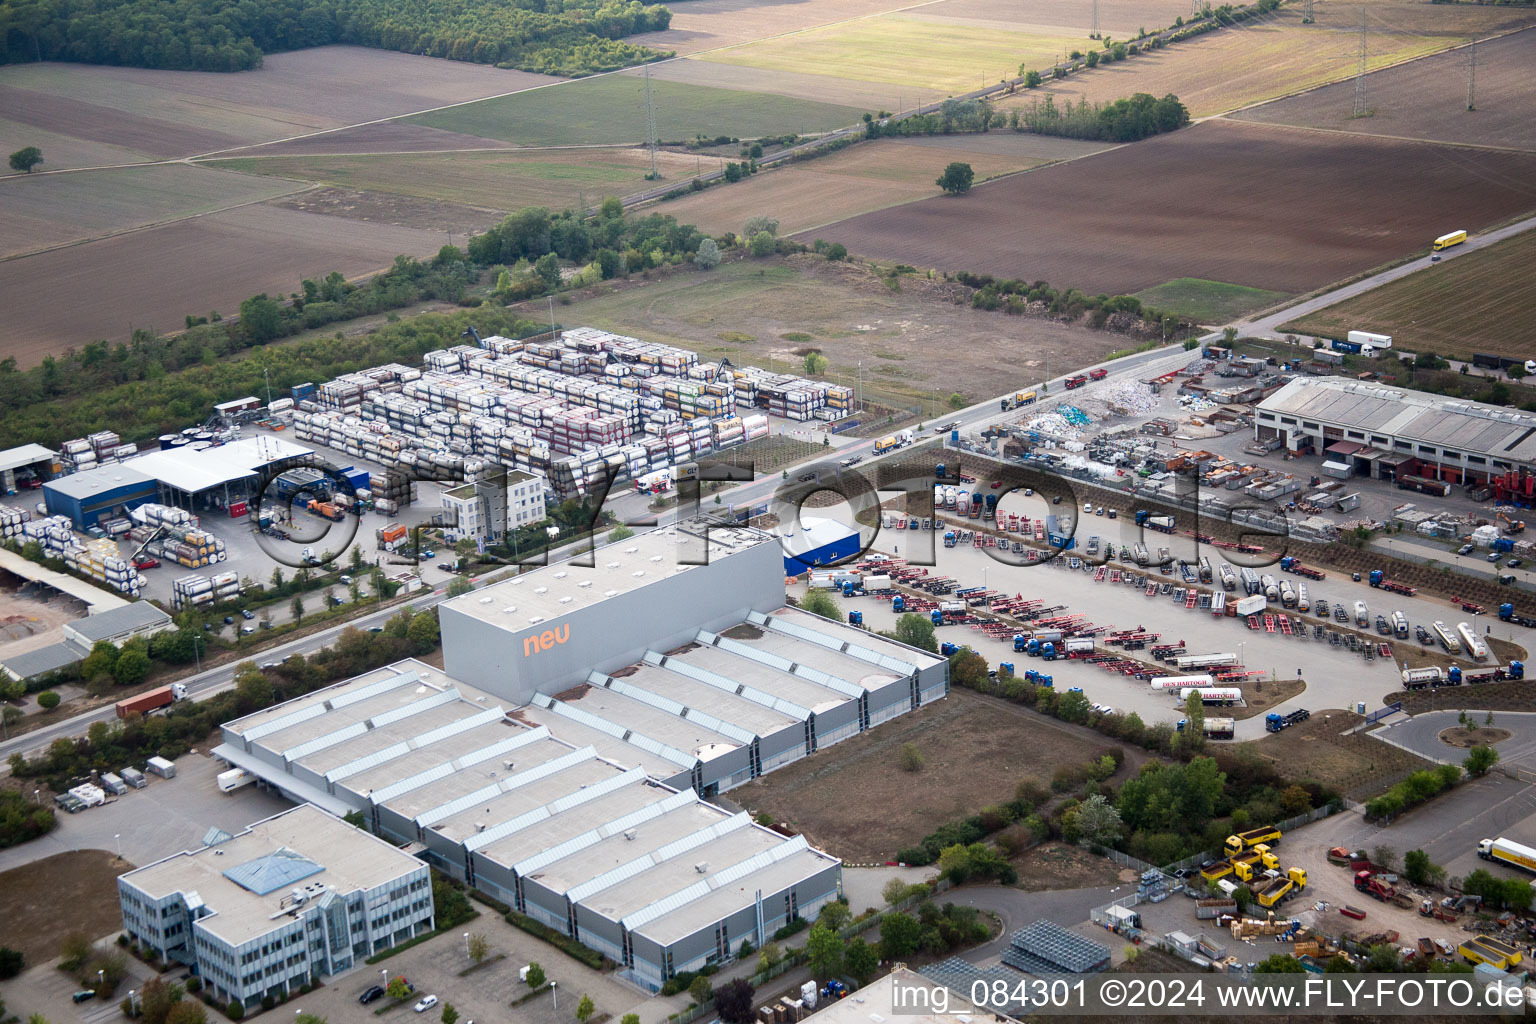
x=1124 y=120
x=1014 y=297
x=564 y=37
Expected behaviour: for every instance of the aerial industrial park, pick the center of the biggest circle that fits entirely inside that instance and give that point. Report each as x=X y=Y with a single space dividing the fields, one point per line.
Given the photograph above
x=734 y=514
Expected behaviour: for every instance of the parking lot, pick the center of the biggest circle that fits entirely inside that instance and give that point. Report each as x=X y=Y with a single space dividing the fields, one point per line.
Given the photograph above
x=485 y=994
x=1335 y=677
x=165 y=817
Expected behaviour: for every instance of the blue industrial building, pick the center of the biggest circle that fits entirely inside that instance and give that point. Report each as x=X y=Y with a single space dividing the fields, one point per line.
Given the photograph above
x=99 y=494
x=813 y=543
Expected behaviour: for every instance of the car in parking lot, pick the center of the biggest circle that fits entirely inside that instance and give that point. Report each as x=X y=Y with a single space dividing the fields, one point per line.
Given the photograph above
x=247 y=614
x=346 y=580
x=145 y=563
x=376 y=992
x=83 y=995
x=1493 y=556
x=426 y=1003
x=1513 y=563
x=247 y=630
x=1465 y=549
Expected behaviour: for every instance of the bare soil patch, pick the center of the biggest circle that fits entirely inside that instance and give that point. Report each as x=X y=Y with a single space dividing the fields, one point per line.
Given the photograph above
x=153 y=278
x=851 y=314
x=871 y=96
x=853 y=801
x=1117 y=18
x=1275 y=208
x=1508 y=696
x=1357 y=765
x=1259 y=696
x=1466 y=739
x=48 y=899
x=1054 y=865
x=1427 y=99
x=99 y=123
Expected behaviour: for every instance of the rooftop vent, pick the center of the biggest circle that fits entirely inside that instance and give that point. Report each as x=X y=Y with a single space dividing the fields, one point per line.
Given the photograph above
x=630 y=834
x=567 y=599
x=638 y=573
x=609 y=593
x=613 y=565
x=584 y=583
x=541 y=590
x=509 y=609
x=536 y=620
x=701 y=867
x=631 y=550
x=485 y=600
x=508 y=765
x=562 y=574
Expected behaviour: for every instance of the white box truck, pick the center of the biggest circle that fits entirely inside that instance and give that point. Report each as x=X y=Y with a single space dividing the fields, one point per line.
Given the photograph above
x=234 y=779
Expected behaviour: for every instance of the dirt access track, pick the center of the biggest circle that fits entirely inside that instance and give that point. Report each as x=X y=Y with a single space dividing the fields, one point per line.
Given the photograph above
x=1269 y=207
x=854 y=802
x=44 y=901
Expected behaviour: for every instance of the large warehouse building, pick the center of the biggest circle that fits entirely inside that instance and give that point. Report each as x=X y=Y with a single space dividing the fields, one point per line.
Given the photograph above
x=564 y=758
x=1392 y=433
x=568 y=823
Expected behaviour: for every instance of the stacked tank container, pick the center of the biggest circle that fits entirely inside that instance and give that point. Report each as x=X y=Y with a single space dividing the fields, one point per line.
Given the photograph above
x=11 y=520
x=191 y=548
x=154 y=515
x=191 y=590
x=100 y=560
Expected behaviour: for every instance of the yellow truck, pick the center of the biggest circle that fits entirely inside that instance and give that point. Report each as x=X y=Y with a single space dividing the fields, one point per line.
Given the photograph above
x=1236 y=844
x=1220 y=869
x=1277 y=889
x=1255 y=862
x=886 y=444
x=1446 y=241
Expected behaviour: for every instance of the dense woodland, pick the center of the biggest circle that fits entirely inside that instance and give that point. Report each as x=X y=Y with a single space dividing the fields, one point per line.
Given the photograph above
x=1124 y=120
x=558 y=37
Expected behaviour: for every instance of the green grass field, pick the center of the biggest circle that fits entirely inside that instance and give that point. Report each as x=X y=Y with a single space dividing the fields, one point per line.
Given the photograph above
x=505 y=180
x=611 y=110
x=1208 y=302
x=909 y=51
x=1482 y=301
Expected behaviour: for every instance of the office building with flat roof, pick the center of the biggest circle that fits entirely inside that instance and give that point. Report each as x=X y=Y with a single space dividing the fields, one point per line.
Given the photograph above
x=300 y=895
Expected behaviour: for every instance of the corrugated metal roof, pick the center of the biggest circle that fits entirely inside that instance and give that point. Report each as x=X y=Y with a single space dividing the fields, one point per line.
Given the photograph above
x=549 y=810
x=590 y=838
x=386 y=793
x=351 y=697
x=330 y=739
x=512 y=782
x=521 y=739
x=853 y=650
x=703 y=675
x=372 y=760
x=282 y=722
x=416 y=707
x=442 y=732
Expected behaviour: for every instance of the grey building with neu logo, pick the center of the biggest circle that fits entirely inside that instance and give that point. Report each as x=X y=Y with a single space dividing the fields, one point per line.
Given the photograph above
x=300 y=895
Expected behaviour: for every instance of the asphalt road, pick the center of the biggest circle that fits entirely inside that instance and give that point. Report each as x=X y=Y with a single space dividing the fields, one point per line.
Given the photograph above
x=1421 y=735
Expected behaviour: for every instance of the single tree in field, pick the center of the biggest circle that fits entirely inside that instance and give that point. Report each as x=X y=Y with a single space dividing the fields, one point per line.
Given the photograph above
x=956 y=179
x=26 y=158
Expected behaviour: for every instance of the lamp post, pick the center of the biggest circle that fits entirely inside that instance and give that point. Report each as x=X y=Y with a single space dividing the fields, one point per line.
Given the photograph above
x=553 y=994
x=466 y=943
x=119 y=839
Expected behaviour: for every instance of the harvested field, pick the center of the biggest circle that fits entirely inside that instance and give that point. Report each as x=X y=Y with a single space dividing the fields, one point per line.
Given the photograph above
x=870 y=96
x=1118 y=19
x=447 y=219
x=869 y=176
x=610 y=110
x=41 y=211
x=152 y=278
x=1208 y=302
x=506 y=180
x=939 y=56
x=1482 y=301
x=707 y=24
x=46 y=900
x=1275 y=208
x=1358 y=766
x=1278 y=55
x=976 y=751
x=1427 y=99
x=61 y=149
x=383 y=137
x=180 y=113
x=906 y=339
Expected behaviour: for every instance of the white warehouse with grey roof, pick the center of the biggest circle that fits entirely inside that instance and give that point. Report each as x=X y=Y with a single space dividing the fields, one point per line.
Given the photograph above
x=572 y=781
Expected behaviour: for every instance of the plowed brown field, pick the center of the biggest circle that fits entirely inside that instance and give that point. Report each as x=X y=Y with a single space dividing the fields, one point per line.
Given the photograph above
x=1276 y=208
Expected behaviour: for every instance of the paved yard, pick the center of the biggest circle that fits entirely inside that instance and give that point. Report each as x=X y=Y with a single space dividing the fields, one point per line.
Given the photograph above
x=165 y=817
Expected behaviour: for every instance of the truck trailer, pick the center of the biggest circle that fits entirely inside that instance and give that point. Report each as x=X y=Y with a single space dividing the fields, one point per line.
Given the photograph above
x=235 y=778
x=1473 y=643
x=1197 y=661
x=153 y=700
x=1180 y=682
x=1222 y=695
x=1241 y=841
x=1507 y=852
